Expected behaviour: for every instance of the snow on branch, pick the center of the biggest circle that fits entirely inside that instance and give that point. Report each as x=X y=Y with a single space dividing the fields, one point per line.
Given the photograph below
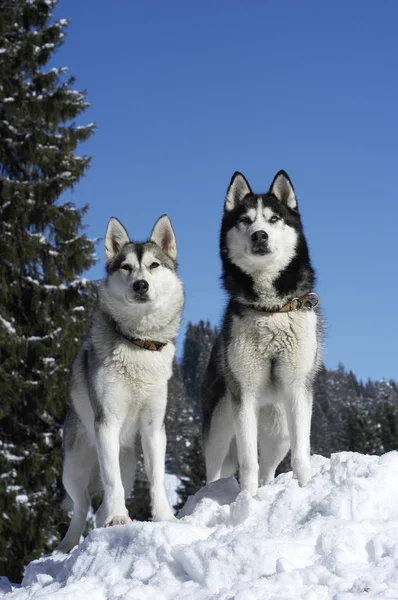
x=7 y=325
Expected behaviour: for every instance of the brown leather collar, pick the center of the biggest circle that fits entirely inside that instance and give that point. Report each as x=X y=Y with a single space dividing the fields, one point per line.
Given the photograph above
x=308 y=301
x=145 y=344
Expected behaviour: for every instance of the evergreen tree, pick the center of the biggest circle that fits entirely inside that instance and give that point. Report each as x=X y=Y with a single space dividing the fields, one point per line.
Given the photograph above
x=198 y=344
x=43 y=301
x=386 y=413
x=193 y=471
x=139 y=503
x=181 y=426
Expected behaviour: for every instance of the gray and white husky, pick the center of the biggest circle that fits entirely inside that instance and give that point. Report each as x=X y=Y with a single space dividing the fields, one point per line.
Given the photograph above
x=257 y=391
x=118 y=381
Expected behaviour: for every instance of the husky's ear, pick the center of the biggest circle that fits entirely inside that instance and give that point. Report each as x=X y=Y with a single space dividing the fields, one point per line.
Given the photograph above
x=163 y=235
x=238 y=189
x=115 y=238
x=283 y=189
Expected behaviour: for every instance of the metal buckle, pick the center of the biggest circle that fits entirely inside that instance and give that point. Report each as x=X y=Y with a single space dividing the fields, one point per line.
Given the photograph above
x=317 y=299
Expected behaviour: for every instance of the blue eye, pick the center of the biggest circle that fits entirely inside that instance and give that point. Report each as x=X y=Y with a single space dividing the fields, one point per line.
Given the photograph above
x=274 y=219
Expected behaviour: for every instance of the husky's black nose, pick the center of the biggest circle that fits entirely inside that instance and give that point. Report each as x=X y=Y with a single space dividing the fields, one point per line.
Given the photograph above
x=260 y=242
x=259 y=237
x=140 y=286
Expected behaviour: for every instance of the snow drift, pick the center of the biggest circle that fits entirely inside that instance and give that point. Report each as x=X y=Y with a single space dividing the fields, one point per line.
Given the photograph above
x=337 y=537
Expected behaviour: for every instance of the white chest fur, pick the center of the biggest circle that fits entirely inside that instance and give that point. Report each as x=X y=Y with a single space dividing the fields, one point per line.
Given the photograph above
x=288 y=340
x=138 y=366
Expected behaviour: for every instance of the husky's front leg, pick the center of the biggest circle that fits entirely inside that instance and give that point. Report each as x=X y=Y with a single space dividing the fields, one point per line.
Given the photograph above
x=246 y=426
x=298 y=411
x=113 y=510
x=153 y=438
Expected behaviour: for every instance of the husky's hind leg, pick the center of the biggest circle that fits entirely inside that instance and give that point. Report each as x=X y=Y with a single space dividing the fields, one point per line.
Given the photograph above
x=230 y=463
x=78 y=463
x=273 y=439
x=217 y=442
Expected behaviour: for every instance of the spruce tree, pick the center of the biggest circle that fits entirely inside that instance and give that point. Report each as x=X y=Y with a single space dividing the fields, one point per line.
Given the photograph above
x=193 y=471
x=198 y=344
x=139 y=502
x=181 y=425
x=43 y=252
x=385 y=402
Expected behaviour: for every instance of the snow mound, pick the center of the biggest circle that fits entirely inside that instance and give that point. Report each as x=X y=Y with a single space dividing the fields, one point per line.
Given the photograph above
x=337 y=537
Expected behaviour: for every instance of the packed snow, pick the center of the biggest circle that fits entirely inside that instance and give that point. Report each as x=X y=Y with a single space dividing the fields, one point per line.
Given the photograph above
x=336 y=537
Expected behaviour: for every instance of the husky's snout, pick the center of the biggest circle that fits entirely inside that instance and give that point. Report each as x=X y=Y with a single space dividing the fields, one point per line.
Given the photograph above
x=137 y=291
x=140 y=287
x=259 y=241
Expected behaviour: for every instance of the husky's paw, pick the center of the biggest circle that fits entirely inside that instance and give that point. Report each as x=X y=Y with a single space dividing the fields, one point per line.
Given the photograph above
x=301 y=472
x=117 y=520
x=164 y=515
x=169 y=518
x=265 y=479
x=304 y=480
x=249 y=484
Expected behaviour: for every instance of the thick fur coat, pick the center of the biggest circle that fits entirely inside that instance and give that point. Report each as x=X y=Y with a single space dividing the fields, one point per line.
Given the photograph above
x=257 y=392
x=118 y=389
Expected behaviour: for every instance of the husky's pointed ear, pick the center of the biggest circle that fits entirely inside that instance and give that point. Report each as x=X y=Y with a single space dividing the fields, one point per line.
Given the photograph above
x=283 y=189
x=163 y=235
x=115 y=238
x=238 y=189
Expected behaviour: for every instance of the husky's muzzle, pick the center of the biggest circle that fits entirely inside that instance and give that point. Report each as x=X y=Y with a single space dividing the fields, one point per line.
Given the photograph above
x=137 y=291
x=259 y=240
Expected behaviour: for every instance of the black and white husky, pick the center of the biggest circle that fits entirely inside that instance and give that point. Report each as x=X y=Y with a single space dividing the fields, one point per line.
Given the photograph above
x=257 y=391
x=118 y=382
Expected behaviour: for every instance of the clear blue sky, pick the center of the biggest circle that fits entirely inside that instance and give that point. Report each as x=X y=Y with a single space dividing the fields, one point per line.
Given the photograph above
x=184 y=93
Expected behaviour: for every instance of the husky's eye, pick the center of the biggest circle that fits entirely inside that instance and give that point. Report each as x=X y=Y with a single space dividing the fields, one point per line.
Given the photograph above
x=154 y=265
x=126 y=267
x=245 y=220
x=274 y=219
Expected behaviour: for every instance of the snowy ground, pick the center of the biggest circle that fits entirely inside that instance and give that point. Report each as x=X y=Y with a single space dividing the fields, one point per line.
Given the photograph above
x=335 y=538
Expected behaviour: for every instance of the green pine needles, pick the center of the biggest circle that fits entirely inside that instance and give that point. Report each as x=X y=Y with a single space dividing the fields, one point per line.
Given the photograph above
x=44 y=301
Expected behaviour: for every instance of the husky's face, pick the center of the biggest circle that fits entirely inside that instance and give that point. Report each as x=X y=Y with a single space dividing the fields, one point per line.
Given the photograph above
x=260 y=231
x=141 y=276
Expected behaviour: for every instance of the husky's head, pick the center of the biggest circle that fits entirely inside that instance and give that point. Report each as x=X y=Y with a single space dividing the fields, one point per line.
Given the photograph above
x=142 y=290
x=262 y=238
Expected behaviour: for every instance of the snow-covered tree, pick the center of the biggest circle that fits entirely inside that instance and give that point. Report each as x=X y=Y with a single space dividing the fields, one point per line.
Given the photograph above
x=43 y=253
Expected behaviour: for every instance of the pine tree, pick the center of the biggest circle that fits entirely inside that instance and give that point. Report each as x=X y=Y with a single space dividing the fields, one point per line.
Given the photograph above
x=139 y=503
x=198 y=344
x=43 y=252
x=181 y=426
x=193 y=472
x=386 y=413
